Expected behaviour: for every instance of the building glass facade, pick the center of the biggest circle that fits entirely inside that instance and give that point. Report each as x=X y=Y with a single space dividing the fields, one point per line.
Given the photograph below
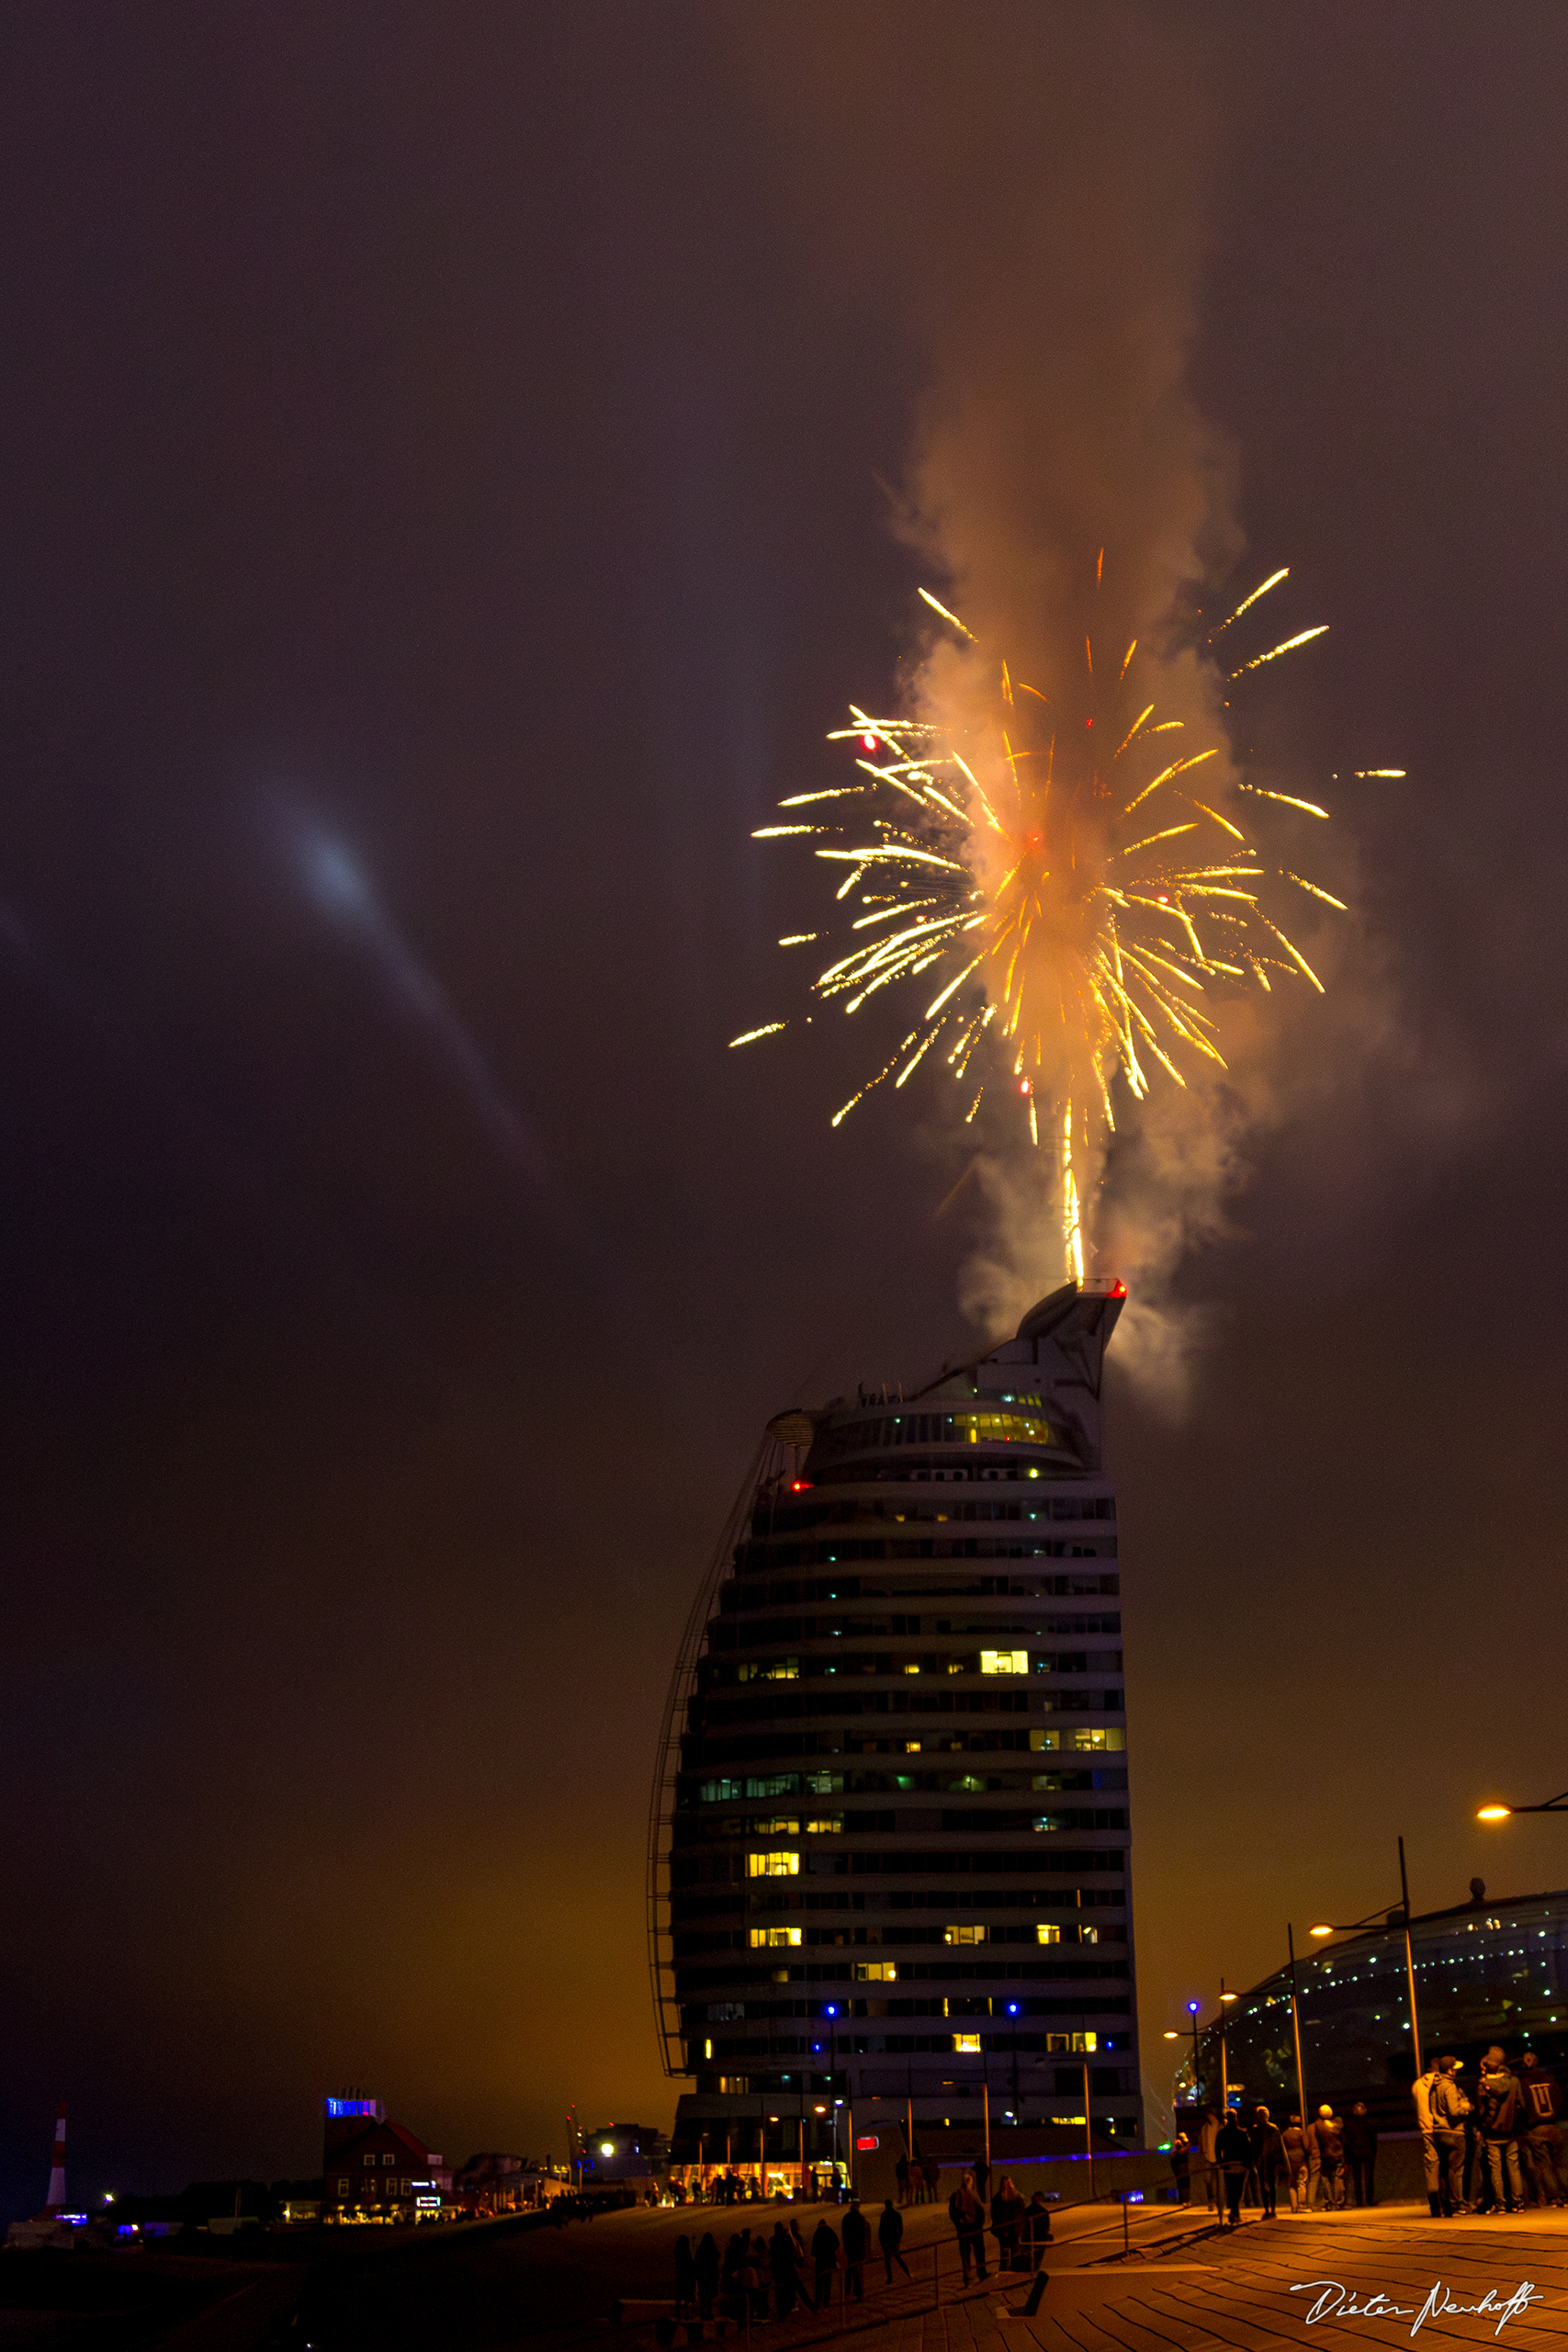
x=890 y=1852
x=1485 y=1971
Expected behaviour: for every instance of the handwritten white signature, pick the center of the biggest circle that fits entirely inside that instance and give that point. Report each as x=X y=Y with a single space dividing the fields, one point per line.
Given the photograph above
x=1335 y=2300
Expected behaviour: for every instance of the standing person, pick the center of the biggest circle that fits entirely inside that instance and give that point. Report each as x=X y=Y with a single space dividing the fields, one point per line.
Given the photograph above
x=1501 y=2105
x=1181 y=2167
x=755 y=2274
x=1036 y=2228
x=1268 y=2161
x=931 y=2172
x=705 y=2263
x=1448 y=2108
x=802 y=2265
x=982 y=2176
x=824 y=2259
x=685 y=2276
x=1208 y=2132
x=1329 y=2133
x=857 y=2238
x=1542 y=2099
x=1421 y=2091
x=1233 y=2151
x=1362 y=2153
x=889 y=2237
x=781 y=2262
x=1007 y=2212
x=1296 y=2169
x=967 y=2215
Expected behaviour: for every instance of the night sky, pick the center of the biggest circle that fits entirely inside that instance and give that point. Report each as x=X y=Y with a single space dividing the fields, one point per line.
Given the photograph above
x=446 y=466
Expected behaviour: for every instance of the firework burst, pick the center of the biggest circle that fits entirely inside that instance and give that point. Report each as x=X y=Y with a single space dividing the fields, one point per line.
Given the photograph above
x=1063 y=890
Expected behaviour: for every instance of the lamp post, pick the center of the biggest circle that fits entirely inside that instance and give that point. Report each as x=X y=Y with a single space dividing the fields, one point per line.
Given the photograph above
x=1355 y=1926
x=1296 y=2025
x=1496 y=1812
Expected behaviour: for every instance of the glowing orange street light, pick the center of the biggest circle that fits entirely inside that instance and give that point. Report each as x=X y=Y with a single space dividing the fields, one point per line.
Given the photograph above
x=1506 y=1812
x=1494 y=1813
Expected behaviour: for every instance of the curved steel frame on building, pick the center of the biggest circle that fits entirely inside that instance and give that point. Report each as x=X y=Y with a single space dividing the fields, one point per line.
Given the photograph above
x=772 y=1459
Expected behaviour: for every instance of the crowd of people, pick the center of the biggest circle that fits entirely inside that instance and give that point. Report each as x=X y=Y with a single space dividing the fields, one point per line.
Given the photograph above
x=1497 y=2150
x=1251 y=2160
x=758 y=2277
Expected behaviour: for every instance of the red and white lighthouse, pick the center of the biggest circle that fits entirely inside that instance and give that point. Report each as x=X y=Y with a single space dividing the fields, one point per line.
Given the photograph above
x=56 y=2203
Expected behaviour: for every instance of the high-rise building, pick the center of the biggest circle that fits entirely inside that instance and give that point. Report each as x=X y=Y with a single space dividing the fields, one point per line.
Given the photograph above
x=888 y=1856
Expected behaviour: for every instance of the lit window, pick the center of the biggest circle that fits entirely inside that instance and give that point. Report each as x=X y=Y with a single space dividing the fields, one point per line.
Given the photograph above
x=912 y=1668
x=876 y=1972
x=774 y=1669
x=1097 y=1740
x=911 y=1747
x=370 y=2156
x=1009 y=1429
x=707 y=2049
x=1089 y=1935
x=776 y=1827
x=1044 y=1741
x=955 y=1665
x=966 y=1935
x=389 y=2158
x=773 y=1865
x=343 y=2188
x=824 y=1785
x=769 y=1938
x=1048 y=1935
x=967 y=1781
x=1004 y=1661
x=718 y=1791
x=966 y=2041
x=827 y=1824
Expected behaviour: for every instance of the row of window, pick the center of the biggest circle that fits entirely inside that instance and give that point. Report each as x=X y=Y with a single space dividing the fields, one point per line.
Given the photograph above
x=1075 y=1738
x=961 y=1933
x=972 y=1428
x=798 y=1666
x=719 y=1710
x=745 y=1825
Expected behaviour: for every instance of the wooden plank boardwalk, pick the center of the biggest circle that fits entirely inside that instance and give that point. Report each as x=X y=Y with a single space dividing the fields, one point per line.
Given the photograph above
x=1186 y=2286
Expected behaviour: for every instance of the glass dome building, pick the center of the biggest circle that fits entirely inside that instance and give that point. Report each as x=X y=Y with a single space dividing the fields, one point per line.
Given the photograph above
x=1486 y=1971
x=888 y=1843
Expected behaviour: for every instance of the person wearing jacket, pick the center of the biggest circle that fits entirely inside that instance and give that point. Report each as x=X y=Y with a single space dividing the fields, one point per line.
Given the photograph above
x=1448 y=2106
x=1233 y=2151
x=1295 y=2145
x=825 y=2260
x=1327 y=2137
x=1181 y=2167
x=857 y=2239
x=1362 y=2153
x=1035 y=2230
x=1421 y=2091
x=781 y=2262
x=1208 y=2132
x=1268 y=2161
x=1008 y=2209
x=889 y=2237
x=1542 y=2102
x=967 y=2215
x=1500 y=2105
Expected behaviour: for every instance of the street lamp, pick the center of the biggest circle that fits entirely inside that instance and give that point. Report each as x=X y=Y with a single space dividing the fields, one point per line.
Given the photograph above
x=1507 y=1812
x=1355 y=1924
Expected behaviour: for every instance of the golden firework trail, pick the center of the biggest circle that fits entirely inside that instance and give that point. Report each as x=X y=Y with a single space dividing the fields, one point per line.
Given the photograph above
x=1056 y=892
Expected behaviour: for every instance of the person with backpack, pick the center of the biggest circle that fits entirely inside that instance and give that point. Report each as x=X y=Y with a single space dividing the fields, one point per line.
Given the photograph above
x=1500 y=2107
x=1233 y=2152
x=1542 y=2099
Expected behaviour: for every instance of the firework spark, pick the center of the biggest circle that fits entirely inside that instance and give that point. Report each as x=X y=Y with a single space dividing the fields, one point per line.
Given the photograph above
x=1065 y=912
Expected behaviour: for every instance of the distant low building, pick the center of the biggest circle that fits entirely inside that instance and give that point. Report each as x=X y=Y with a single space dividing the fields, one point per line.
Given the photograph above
x=376 y=2170
x=623 y=2156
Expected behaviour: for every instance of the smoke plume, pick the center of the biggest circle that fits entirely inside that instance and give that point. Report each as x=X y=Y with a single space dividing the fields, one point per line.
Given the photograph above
x=1026 y=186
